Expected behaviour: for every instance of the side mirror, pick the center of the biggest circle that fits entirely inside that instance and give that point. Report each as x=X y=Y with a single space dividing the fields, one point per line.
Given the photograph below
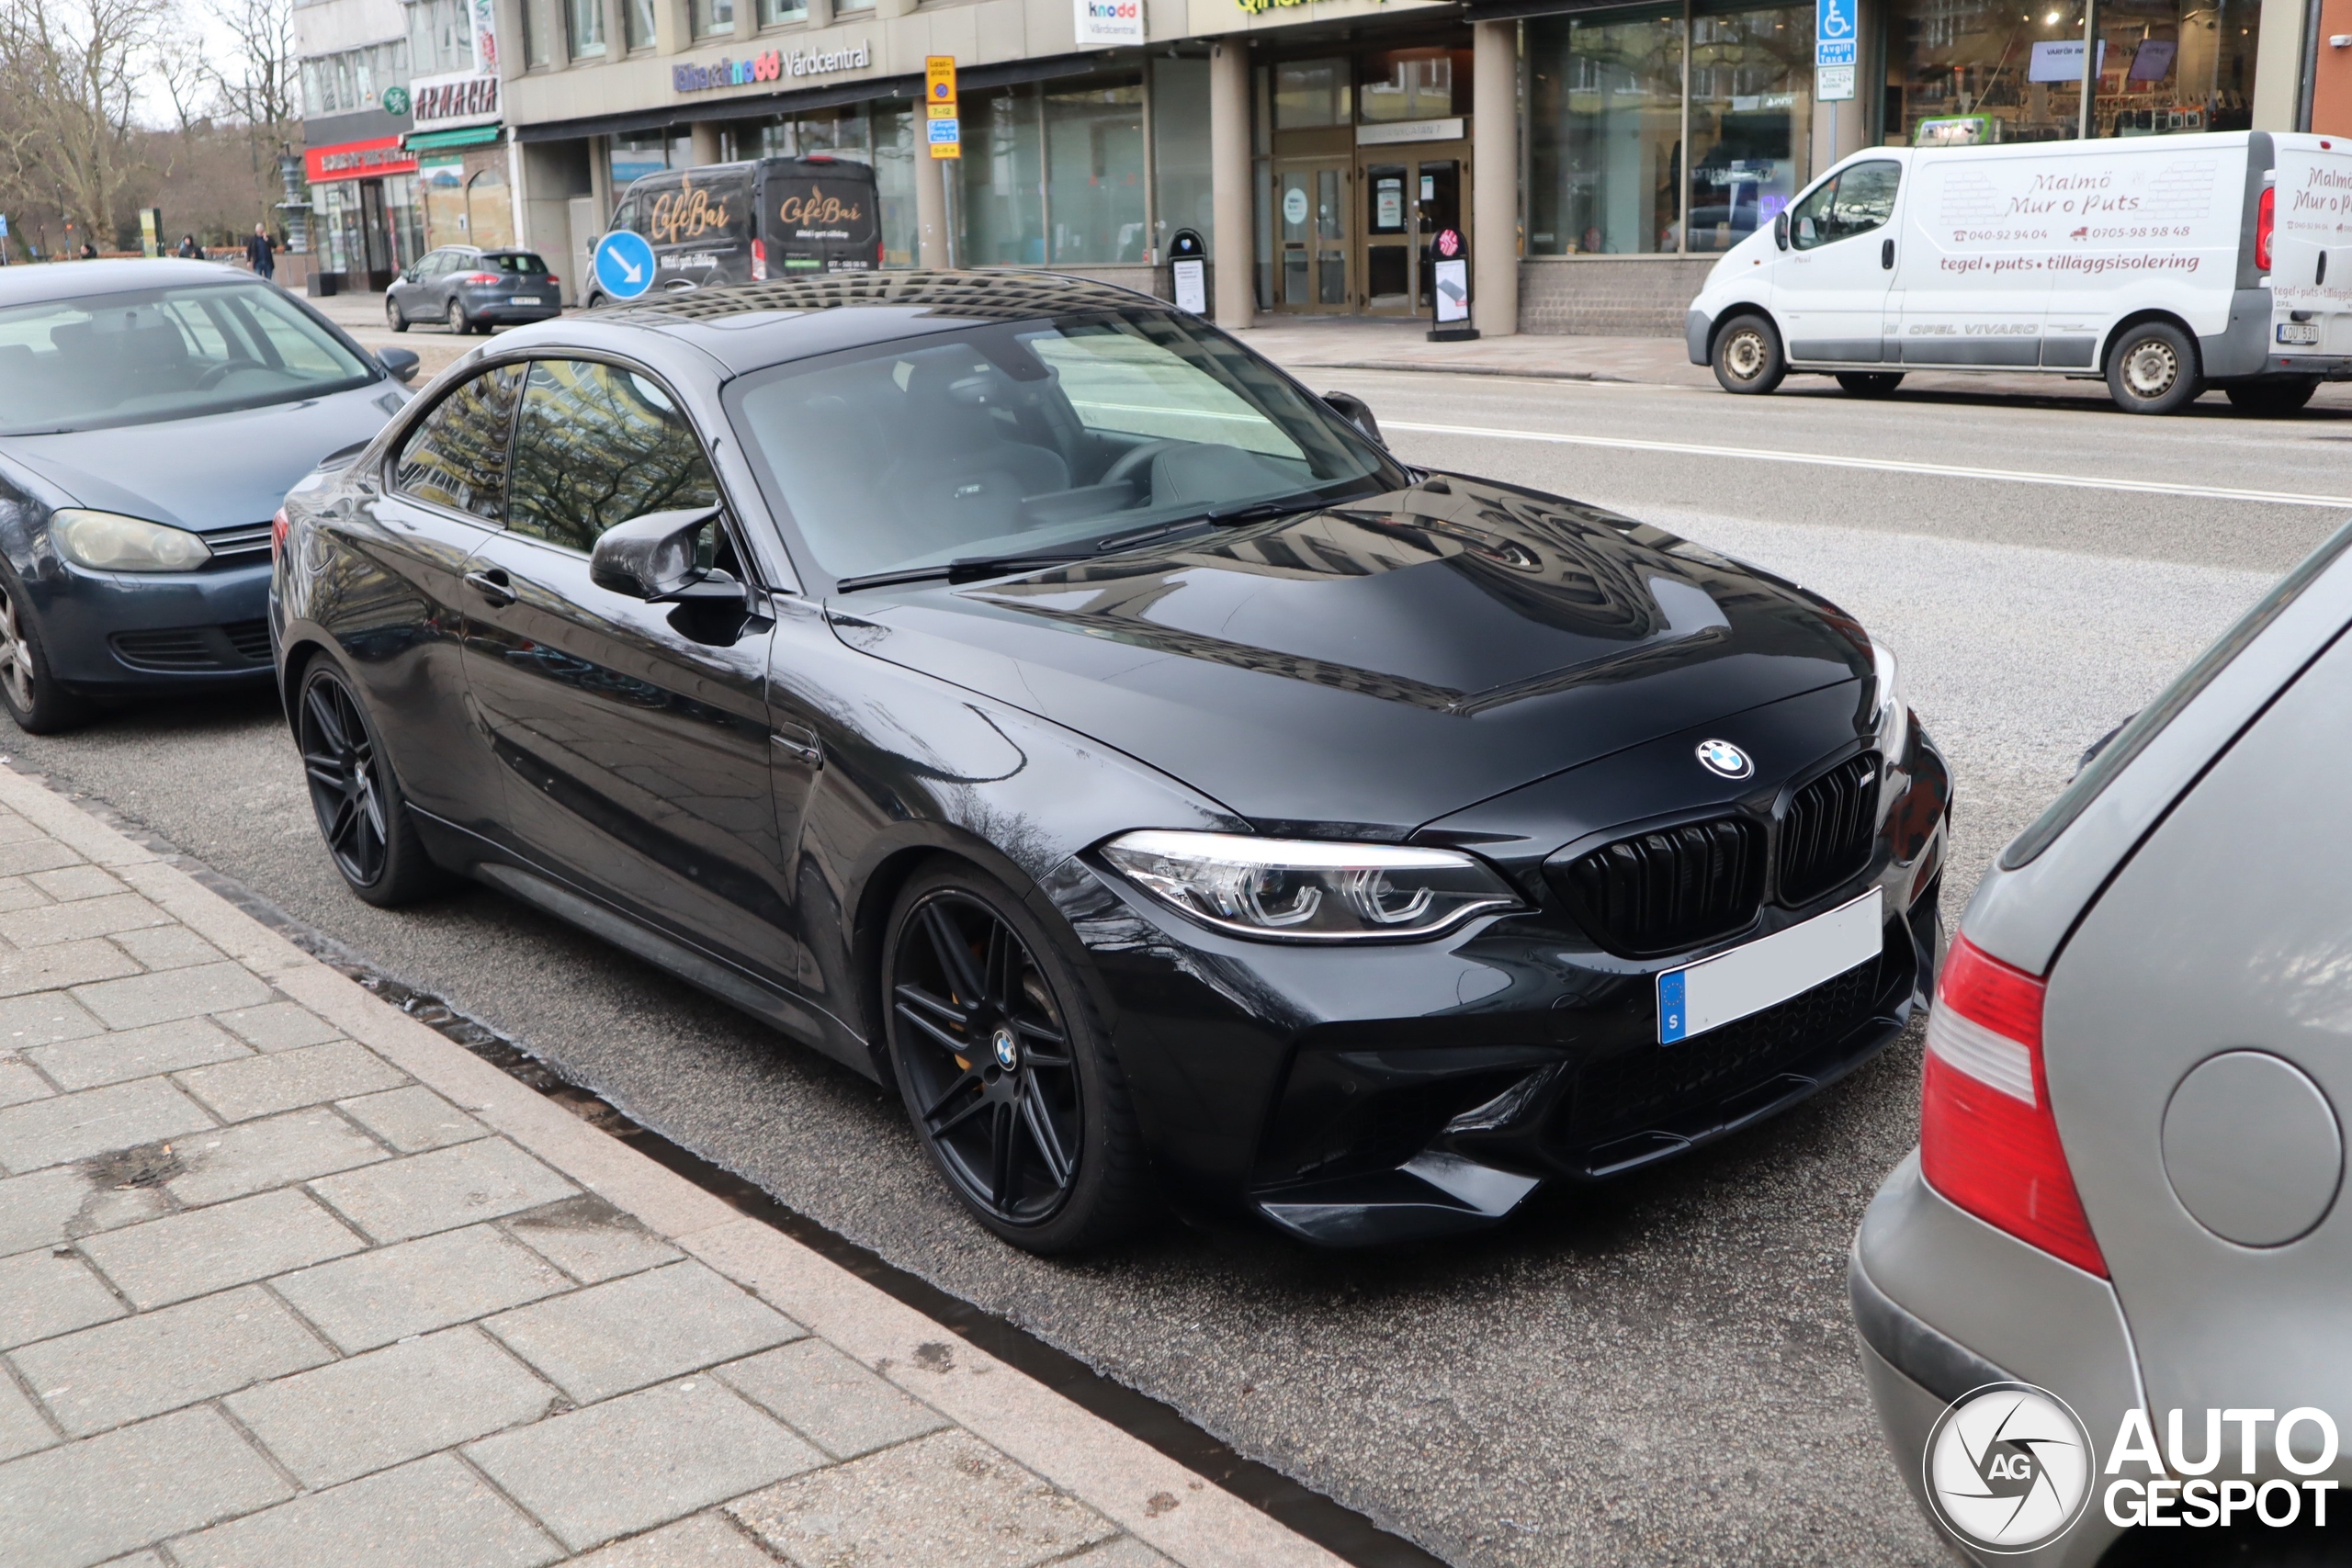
x=1356 y=411
x=400 y=364
x=654 y=557
x=1780 y=229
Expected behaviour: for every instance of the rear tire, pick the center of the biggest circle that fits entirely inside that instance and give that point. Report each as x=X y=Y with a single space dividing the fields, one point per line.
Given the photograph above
x=2154 y=368
x=1006 y=1071
x=2276 y=398
x=458 y=325
x=1870 y=383
x=1747 y=356
x=28 y=687
x=363 y=816
x=394 y=317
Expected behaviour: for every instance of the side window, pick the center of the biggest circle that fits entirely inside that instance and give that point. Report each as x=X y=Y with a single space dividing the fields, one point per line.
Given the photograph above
x=596 y=446
x=1860 y=199
x=457 y=457
x=625 y=215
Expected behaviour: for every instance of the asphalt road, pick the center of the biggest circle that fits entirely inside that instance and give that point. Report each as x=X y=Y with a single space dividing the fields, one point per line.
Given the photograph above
x=1660 y=1372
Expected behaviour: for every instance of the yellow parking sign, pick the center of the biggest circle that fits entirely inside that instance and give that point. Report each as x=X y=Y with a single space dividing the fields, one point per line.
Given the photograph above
x=939 y=86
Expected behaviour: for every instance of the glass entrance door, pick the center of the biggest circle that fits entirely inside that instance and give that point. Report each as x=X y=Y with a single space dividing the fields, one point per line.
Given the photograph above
x=1311 y=214
x=1405 y=203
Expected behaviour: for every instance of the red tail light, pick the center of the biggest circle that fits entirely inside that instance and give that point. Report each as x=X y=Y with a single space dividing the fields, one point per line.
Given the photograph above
x=759 y=261
x=881 y=256
x=553 y=279
x=2264 y=216
x=480 y=277
x=1987 y=1140
x=278 y=527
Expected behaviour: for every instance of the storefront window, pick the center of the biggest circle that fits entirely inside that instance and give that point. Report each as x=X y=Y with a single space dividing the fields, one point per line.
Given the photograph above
x=1976 y=70
x=1751 y=107
x=1309 y=93
x=1095 y=173
x=1414 y=83
x=585 y=22
x=634 y=157
x=402 y=216
x=892 y=131
x=1004 y=184
x=1604 y=135
x=1180 y=150
x=441 y=188
x=490 y=208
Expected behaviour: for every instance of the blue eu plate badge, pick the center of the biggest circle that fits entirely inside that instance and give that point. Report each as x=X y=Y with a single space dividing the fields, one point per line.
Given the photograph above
x=1670 y=1006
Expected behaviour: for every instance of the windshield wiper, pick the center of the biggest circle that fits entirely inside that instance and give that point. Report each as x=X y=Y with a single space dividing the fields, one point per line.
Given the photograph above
x=966 y=569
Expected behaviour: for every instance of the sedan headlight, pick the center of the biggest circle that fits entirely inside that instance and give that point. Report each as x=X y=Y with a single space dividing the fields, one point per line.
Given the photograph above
x=1893 y=721
x=107 y=541
x=1302 y=890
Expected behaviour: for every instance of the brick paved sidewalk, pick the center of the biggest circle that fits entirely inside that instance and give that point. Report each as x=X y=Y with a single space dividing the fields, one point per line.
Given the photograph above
x=288 y=1278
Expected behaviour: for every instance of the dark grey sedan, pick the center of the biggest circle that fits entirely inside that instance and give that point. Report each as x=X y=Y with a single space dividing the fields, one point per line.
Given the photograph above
x=469 y=289
x=152 y=415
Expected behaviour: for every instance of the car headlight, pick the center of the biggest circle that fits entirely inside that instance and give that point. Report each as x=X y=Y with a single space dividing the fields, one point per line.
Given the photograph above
x=107 y=541
x=1302 y=890
x=1893 y=721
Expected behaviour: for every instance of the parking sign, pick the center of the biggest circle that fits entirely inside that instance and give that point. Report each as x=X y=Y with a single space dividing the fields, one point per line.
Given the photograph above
x=1834 y=56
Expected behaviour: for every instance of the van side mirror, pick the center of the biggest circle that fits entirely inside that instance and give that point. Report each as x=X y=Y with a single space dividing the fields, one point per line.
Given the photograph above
x=400 y=364
x=1356 y=411
x=654 y=557
x=1780 y=229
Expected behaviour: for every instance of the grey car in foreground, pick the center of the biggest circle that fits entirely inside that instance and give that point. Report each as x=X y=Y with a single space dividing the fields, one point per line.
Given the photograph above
x=2132 y=1148
x=152 y=415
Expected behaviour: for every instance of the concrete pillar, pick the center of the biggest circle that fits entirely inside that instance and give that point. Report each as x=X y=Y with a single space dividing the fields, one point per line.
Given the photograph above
x=704 y=136
x=1233 y=248
x=1494 y=179
x=930 y=206
x=2278 y=87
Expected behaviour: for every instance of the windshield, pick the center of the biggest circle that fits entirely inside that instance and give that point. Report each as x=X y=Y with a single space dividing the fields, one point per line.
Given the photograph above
x=153 y=354
x=1036 y=438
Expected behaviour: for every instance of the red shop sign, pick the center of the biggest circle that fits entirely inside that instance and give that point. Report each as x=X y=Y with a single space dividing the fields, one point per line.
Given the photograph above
x=359 y=160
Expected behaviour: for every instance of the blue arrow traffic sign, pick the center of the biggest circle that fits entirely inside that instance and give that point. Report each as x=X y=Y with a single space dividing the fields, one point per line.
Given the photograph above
x=624 y=263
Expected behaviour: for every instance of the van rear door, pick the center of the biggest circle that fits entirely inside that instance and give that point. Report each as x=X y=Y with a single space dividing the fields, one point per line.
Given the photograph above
x=700 y=223
x=820 y=216
x=2311 y=245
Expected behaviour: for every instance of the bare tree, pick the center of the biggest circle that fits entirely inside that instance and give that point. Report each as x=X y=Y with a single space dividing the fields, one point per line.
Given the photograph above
x=260 y=85
x=66 y=74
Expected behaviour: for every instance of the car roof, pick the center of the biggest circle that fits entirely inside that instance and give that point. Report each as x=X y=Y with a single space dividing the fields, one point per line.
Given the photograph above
x=751 y=325
x=76 y=279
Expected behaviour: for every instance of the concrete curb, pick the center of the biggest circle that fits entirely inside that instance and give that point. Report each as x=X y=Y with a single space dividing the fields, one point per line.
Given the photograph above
x=1165 y=1504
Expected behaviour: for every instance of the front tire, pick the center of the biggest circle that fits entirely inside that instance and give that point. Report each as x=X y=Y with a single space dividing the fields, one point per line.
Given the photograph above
x=2154 y=368
x=1005 y=1069
x=1870 y=383
x=363 y=816
x=29 y=688
x=1747 y=356
x=394 y=317
x=2274 y=398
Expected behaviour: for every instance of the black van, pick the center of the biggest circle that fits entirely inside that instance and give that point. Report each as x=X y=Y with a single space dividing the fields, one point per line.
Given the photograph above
x=747 y=222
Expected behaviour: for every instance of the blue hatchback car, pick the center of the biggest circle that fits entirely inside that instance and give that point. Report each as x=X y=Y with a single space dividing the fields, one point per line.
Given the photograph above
x=152 y=414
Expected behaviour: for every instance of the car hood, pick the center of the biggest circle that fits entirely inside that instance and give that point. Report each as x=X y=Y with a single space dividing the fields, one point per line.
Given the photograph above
x=1367 y=669
x=222 y=470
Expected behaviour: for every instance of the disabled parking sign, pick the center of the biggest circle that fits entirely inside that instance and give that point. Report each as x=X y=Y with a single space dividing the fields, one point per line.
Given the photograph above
x=624 y=263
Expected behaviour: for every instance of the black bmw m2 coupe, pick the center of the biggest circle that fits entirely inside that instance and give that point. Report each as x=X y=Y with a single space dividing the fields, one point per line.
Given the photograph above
x=1019 y=691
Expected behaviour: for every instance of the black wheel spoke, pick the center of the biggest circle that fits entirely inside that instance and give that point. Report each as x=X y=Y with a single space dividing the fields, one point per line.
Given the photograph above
x=330 y=723
x=995 y=973
x=953 y=956
x=971 y=1108
x=1036 y=1030
x=1041 y=1130
x=937 y=1006
x=325 y=771
x=1004 y=1158
x=345 y=819
x=1046 y=1059
x=954 y=1046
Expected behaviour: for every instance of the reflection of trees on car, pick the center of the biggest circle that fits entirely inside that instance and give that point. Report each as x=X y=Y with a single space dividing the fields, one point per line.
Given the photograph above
x=599 y=445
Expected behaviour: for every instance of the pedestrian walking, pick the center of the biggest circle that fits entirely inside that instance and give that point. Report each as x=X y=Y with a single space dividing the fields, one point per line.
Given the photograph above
x=89 y=251
x=191 y=249
x=262 y=252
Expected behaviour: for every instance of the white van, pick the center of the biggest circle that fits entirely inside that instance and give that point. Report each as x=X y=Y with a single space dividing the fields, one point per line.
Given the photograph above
x=2165 y=264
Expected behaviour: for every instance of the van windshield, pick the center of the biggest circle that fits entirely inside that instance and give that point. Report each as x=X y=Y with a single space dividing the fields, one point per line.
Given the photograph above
x=1037 y=437
x=147 y=355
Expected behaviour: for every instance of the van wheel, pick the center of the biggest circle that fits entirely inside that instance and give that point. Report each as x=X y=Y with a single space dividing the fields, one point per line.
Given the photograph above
x=1870 y=383
x=2276 y=396
x=2153 y=369
x=1747 y=356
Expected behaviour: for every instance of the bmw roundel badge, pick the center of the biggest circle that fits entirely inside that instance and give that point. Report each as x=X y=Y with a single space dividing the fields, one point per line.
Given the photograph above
x=1722 y=757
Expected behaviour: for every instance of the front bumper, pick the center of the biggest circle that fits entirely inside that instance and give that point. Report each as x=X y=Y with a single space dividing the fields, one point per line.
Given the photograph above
x=1943 y=1303
x=121 y=631
x=1378 y=1093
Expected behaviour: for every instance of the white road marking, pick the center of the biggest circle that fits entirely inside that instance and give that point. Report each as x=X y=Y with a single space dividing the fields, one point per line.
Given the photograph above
x=1881 y=465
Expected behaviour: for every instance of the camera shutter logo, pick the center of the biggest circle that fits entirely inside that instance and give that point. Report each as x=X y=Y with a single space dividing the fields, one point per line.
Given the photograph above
x=2009 y=1468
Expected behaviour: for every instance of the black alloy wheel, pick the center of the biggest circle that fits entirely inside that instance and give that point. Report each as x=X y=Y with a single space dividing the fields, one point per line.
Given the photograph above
x=457 y=326
x=34 y=699
x=999 y=1064
x=361 y=813
x=1747 y=356
x=394 y=317
x=1870 y=383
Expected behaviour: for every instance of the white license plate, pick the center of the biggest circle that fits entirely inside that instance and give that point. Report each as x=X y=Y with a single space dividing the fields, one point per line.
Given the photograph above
x=524 y=299
x=2302 y=332
x=1769 y=970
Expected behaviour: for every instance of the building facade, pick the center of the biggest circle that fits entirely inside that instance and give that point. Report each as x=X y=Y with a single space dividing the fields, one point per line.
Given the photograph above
x=1596 y=158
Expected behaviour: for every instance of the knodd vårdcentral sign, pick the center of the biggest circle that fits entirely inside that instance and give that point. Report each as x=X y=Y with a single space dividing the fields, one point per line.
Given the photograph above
x=775 y=65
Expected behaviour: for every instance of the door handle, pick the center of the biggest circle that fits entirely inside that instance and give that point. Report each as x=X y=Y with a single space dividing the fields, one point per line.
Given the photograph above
x=801 y=745
x=492 y=586
x=1886 y=254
